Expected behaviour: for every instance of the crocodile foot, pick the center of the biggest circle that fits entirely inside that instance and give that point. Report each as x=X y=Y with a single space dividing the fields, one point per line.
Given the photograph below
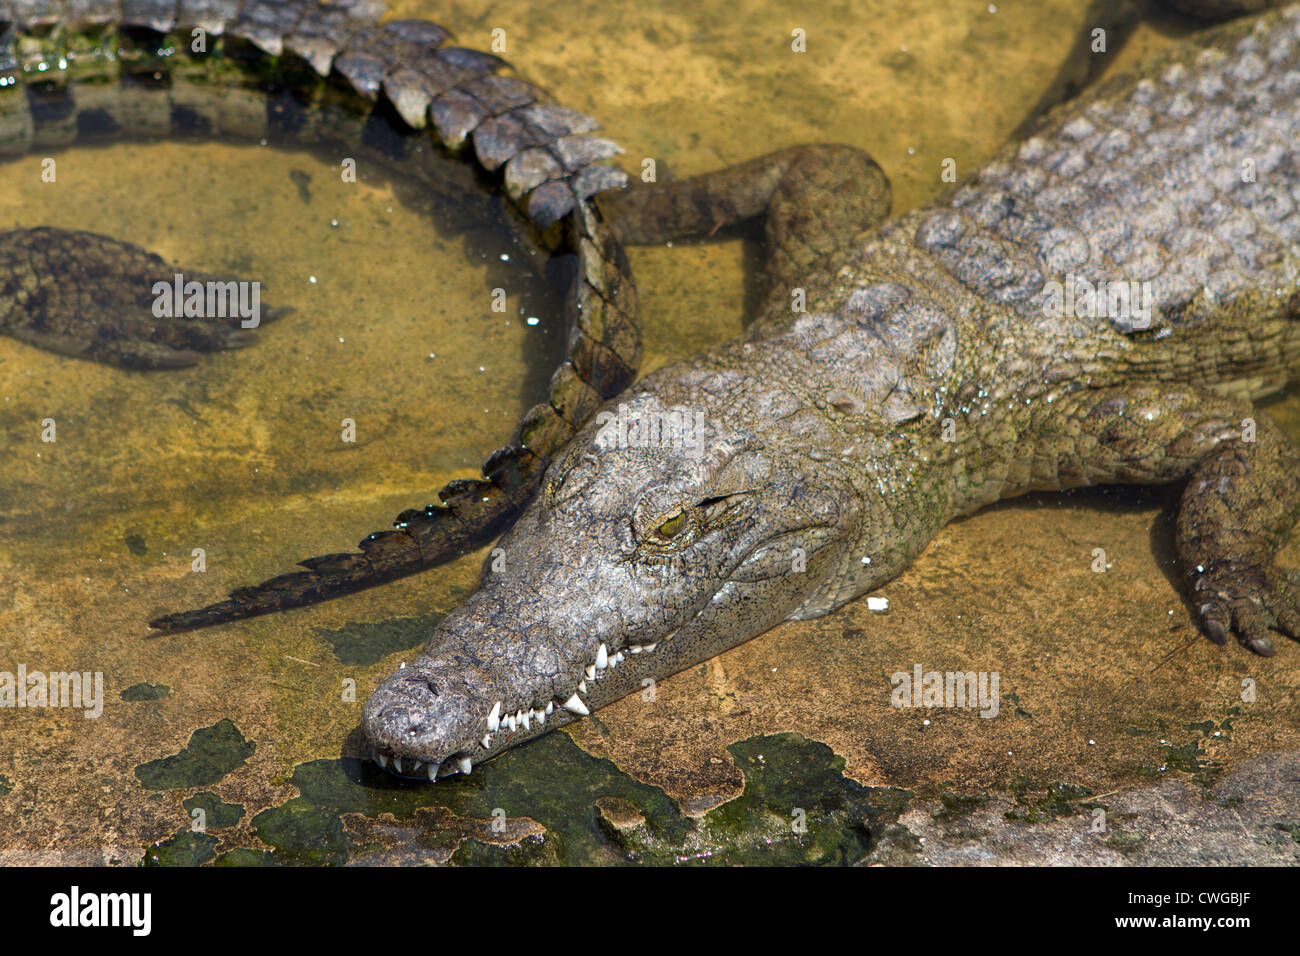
x=1248 y=600
x=94 y=297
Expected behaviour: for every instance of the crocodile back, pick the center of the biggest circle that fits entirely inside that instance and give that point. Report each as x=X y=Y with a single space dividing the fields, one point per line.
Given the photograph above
x=1181 y=184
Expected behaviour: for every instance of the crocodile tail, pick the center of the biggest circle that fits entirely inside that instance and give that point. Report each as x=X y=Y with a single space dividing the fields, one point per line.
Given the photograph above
x=551 y=171
x=604 y=347
x=471 y=513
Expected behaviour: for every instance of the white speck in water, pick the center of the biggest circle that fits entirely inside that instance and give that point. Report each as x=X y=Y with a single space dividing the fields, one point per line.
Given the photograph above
x=482 y=369
x=533 y=320
x=433 y=355
x=334 y=223
x=925 y=723
x=911 y=151
x=1092 y=743
x=877 y=604
x=340 y=338
x=311 y=279
x=505 y=257
x=993 y=8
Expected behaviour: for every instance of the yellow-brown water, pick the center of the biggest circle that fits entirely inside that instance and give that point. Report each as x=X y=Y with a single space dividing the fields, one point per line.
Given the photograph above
x=242 y=456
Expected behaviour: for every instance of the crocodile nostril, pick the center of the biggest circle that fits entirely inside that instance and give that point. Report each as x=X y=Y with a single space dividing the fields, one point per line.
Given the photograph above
x=417 y=685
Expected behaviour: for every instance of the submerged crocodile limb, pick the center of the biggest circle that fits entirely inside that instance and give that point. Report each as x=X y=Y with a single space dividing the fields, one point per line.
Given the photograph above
x=947 y=360
x=303 y=73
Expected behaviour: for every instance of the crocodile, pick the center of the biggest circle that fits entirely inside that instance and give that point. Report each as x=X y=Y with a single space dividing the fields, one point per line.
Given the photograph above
x=1103 y=303
x=330 y=76
x=899 y=375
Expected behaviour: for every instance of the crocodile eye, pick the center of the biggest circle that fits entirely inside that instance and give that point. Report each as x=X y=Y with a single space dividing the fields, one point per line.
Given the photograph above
x=672 y=527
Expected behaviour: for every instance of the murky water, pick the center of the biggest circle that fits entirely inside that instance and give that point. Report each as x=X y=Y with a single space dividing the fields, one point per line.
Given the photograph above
x=1105 y=683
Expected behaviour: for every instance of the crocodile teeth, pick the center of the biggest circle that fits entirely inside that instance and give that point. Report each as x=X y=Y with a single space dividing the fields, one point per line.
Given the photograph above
x=526 y=718
x=382 y=760
x=550 y=707
x=541 y=715
x=602 y=657
x=464 y=765
x=647 y=648
x=616 y=659
x=486 y=741
x=576 y=705
x=397 y=764
x=433 y=771
x=591 y=672
x=494 y=718
x=510 y=723
x=582 y=687
x=419 y=765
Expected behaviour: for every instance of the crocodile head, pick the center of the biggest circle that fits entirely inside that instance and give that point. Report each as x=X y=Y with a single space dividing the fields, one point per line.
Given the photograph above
x=631 y=564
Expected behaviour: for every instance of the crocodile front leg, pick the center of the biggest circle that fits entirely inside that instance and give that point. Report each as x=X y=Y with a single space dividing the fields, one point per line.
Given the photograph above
x=91 y=296
x=1237 y=511
x=815 y=201
x=1239 y=506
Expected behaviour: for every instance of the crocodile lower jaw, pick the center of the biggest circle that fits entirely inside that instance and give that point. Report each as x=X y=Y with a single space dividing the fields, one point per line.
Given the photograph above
x=530 y=720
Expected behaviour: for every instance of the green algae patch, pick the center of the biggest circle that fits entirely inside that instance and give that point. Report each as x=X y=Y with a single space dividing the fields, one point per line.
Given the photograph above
x=1198 y=757
x=366 y=644
x=465 y=819
x=955 y=805
x=216 y=812
x=549 y=802
x=6 y=786
x=211 y=754
x=303 y=833
x=1189 y=759
x=243 y=856
x=145 y=691
x=1060 y=800
x=529 y=851
x=186 y=848
x=797 y=808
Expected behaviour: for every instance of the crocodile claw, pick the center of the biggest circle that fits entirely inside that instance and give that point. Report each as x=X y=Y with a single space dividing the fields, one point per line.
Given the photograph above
x=1249 y=601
